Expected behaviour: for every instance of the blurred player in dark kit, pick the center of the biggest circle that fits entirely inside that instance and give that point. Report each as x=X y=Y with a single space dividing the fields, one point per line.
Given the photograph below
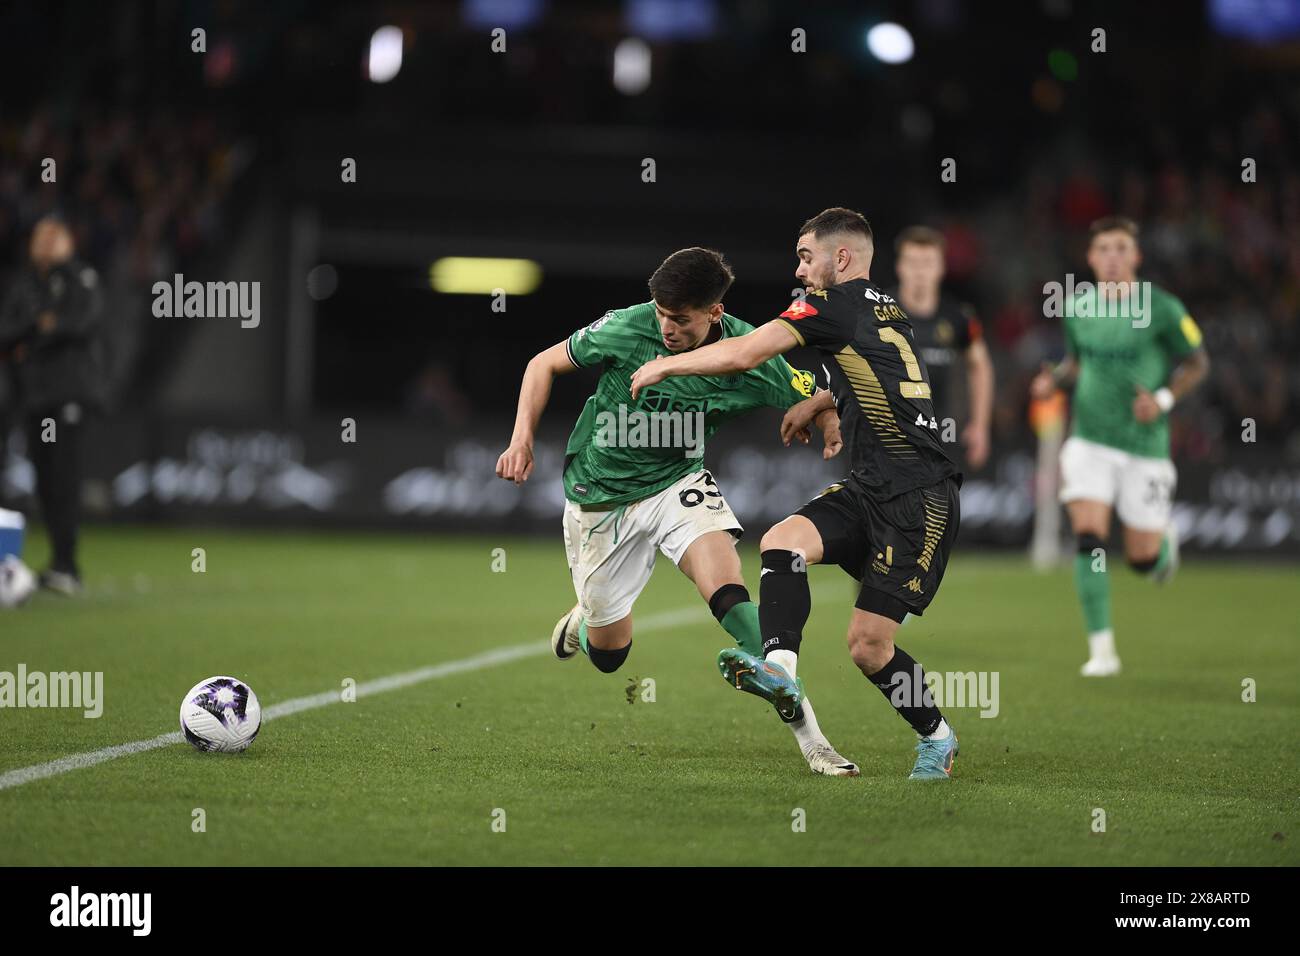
x=49 y=322
x=945 y=331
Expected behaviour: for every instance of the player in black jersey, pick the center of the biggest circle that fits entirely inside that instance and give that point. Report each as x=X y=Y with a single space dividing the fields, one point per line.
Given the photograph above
x=945 y=332
x=890 y=523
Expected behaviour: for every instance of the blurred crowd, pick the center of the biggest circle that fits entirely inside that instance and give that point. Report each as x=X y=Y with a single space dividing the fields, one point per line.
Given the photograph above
x=148 y=189
x=145 y=193
x=142 y=194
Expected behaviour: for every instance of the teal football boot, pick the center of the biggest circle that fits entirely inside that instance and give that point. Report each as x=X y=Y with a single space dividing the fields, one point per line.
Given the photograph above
x=764 y=679
x=934 y=758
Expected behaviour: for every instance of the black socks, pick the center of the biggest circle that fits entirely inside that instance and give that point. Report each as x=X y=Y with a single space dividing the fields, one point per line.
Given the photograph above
x=903 y=683
x=608 y=661
x=784 y=602
x=727 y=597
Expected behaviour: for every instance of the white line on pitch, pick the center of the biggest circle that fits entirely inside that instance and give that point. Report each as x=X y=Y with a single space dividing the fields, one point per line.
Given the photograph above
x=504 y=655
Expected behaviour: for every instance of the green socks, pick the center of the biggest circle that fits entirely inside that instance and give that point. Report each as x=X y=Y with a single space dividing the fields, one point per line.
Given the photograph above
x=1094 y=591
x=741 y=622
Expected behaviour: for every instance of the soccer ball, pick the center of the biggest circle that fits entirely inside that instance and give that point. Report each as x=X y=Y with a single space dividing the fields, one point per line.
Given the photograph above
x=222 y=714
x=17 y=583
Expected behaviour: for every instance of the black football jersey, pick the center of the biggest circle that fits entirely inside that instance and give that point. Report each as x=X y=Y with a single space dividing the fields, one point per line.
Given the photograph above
x=941 y=340
x=879 y=382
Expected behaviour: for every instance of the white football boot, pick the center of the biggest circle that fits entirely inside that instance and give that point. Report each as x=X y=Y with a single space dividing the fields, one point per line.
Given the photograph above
x=1103 y=661
x=564 y=639
x=1101 y=666
x=823 y=759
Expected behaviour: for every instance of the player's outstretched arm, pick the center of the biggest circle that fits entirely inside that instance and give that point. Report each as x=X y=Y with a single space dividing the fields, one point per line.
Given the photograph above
x=726 y=357
x=516 y=462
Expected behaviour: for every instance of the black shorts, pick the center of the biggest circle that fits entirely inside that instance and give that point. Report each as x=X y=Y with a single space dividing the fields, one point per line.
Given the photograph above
x=896 y=548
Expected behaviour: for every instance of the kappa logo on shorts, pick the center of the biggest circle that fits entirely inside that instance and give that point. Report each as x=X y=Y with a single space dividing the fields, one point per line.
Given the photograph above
x=914 y=585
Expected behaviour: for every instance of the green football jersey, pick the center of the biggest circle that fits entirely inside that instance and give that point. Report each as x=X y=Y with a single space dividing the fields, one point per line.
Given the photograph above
x=621 y=450
x=1117 y=352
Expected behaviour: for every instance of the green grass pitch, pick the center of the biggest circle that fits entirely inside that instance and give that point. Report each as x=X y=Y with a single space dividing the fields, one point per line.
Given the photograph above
x=587 y=773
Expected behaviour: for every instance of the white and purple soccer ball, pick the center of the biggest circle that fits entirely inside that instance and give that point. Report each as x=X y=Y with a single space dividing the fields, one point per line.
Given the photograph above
x=220 y=714
x=17 y=583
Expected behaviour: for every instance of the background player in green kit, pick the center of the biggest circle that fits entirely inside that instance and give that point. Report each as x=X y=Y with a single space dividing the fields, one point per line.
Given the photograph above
x=1123 y=338
x=634 y=480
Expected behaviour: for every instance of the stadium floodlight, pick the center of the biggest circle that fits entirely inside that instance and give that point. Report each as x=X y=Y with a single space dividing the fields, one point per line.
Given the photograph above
x=385 y=54
x=632 y=66
x=890 y=43
x=465 y=275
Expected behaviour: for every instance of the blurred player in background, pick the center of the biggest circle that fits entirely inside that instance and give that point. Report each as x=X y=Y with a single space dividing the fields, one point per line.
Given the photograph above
x=945 y=330
x=49 y=325
x=626 y=501
x=891 y=523
x=1122 y=340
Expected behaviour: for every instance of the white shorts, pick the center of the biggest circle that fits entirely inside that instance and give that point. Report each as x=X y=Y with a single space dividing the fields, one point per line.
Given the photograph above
x=612 y=553
x=1141 y=490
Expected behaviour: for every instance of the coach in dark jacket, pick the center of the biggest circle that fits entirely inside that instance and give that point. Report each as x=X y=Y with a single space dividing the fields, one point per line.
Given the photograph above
x=49 y=321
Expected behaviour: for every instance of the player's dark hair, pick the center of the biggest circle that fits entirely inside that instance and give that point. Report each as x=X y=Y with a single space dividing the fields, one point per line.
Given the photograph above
x=1113 y=224
x=920 y=236
x=836 y=220
x=691 y=278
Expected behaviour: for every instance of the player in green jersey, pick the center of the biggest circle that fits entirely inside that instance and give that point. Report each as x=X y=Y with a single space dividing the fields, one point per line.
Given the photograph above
x=634 y=478
x=1133 y=352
